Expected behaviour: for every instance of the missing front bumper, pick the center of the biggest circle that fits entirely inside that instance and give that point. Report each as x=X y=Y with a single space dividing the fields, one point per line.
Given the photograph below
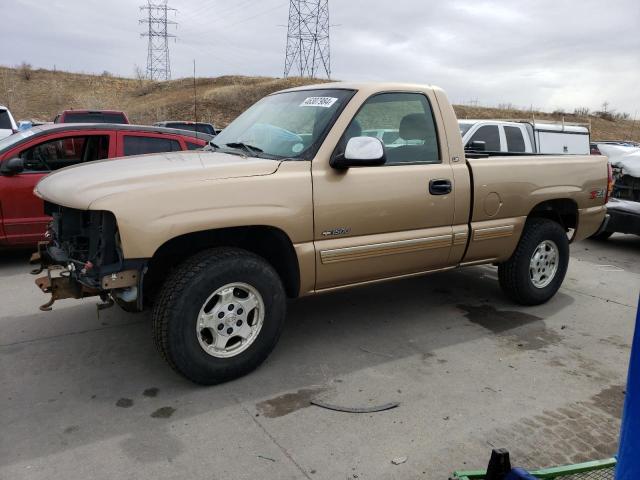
x=62 y=286
x=61 y=283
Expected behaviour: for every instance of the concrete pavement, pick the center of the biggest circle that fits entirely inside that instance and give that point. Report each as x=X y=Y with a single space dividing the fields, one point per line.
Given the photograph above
x=84 y=395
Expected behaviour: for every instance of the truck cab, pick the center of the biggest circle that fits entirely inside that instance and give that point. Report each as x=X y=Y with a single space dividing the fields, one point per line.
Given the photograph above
x=497 y=136
x=7 y=123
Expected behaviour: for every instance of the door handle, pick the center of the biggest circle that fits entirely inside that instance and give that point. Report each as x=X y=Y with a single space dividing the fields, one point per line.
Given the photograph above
x=440 y=187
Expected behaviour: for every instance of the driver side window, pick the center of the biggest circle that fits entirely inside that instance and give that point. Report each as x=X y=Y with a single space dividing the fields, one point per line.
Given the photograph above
x=63 y=152
x=403 y=122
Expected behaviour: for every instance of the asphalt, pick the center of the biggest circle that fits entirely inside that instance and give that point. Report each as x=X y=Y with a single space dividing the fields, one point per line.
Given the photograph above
x=85 y=395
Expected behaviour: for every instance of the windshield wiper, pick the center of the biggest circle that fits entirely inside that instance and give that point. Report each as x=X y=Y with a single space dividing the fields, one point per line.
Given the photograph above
x=211 y=146
x=253 y=151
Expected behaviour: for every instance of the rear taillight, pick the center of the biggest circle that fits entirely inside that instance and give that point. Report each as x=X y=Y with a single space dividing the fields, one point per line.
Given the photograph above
x=610 y=182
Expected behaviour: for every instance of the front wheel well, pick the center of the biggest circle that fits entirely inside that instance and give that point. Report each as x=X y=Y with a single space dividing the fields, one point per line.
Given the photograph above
x=562 y=210
x=270 y=243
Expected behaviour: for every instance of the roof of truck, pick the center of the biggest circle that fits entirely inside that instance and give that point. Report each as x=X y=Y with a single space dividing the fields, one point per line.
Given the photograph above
x=476 y=120
x=371 y=86
x=79 y=110
x=542 y=126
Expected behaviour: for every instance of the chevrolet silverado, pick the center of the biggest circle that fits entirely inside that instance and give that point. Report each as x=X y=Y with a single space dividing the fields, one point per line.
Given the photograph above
x=297 y=197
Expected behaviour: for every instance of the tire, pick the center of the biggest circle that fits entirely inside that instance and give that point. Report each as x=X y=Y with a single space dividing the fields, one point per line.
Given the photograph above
x=602 y=236
x=528 y=286
x=181 y=305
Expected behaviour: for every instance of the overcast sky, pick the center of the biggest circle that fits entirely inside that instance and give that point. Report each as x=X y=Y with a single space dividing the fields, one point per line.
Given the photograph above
x=546 y=53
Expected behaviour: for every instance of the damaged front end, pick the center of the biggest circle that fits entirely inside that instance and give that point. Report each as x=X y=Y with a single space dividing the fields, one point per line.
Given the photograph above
x=82 y=258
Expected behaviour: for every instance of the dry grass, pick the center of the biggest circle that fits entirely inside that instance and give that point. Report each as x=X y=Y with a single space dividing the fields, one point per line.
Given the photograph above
x=220 y=99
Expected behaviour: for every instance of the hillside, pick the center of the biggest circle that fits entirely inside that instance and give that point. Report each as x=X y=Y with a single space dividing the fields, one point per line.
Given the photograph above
x=220 y=99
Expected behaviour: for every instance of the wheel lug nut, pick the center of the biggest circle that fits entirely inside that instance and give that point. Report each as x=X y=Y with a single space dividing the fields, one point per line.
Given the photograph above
x=239 y=323
x=240 y=311
x=221 y=315
x=230 y=307
x=229 y=331
x=220 y=326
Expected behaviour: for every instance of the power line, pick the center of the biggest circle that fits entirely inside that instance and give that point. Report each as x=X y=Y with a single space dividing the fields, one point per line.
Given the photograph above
x=157 y=24
x=246 y=19
x=308 y=38
x=226 y=18
x=204 y=6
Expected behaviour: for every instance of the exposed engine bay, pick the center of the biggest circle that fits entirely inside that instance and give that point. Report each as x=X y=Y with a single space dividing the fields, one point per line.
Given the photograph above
x=82 y=258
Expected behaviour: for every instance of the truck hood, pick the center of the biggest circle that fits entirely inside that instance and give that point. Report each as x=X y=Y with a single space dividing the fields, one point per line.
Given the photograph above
x=81 y=185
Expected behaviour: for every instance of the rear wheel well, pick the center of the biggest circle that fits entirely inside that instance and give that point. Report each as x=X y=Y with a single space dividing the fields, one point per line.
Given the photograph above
x=270 y=243
x=561 y=210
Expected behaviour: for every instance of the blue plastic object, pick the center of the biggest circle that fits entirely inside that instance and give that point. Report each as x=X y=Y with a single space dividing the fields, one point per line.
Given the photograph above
x=519 y=474
x=628 y=466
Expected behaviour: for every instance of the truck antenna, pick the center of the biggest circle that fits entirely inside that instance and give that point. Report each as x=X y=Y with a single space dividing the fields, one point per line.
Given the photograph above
x=195 y=99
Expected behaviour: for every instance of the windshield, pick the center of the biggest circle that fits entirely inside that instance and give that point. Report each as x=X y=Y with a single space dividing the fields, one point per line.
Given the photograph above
x=285 y=125
x=464 y=127
x=94 y=117
x=5 y=120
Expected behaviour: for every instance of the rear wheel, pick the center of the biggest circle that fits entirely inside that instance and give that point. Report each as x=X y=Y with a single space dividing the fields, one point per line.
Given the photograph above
x=537 y=268
x=219 y=315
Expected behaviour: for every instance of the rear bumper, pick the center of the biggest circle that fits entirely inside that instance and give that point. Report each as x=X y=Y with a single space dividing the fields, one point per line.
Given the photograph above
x=621 y=221
x=603 y=227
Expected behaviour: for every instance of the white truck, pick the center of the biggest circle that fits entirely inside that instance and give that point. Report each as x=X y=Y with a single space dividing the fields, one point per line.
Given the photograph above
x=7 y=123
x=524 y=137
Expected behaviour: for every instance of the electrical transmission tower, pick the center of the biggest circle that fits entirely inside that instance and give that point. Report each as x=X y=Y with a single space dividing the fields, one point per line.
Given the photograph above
x=157 y=24
x=308 y=39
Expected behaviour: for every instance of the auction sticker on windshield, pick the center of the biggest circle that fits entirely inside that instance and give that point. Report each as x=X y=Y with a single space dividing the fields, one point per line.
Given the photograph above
x=324 y=102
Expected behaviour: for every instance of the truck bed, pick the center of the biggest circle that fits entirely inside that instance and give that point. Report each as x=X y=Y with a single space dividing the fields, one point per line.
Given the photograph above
x=506 y=188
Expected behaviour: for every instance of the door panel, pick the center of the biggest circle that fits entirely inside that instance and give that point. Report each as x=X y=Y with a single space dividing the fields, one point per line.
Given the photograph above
x=22 y=212
x=383 y=221
x=392 y=225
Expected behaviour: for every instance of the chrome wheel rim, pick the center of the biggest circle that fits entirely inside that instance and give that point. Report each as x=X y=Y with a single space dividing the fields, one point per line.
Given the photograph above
x=544 y=264
x=230 y=320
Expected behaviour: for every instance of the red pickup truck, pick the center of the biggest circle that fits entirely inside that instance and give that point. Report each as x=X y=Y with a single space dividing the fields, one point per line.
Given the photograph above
x=27 y=156
x=91 y=116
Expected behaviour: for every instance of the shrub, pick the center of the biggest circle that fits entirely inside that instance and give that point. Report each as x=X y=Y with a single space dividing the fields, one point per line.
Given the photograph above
x=25 y=70
x=604 y=115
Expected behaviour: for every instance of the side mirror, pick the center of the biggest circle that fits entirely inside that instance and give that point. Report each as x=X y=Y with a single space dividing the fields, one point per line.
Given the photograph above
x=360 y=152
x=12 y=166
x=476 y=146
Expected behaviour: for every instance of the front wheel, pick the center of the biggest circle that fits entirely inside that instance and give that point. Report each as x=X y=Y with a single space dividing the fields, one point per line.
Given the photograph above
x=537 y=268
x=219 y=315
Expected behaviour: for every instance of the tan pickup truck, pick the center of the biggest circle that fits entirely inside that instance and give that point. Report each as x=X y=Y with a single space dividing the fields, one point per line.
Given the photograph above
x=311 y=189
